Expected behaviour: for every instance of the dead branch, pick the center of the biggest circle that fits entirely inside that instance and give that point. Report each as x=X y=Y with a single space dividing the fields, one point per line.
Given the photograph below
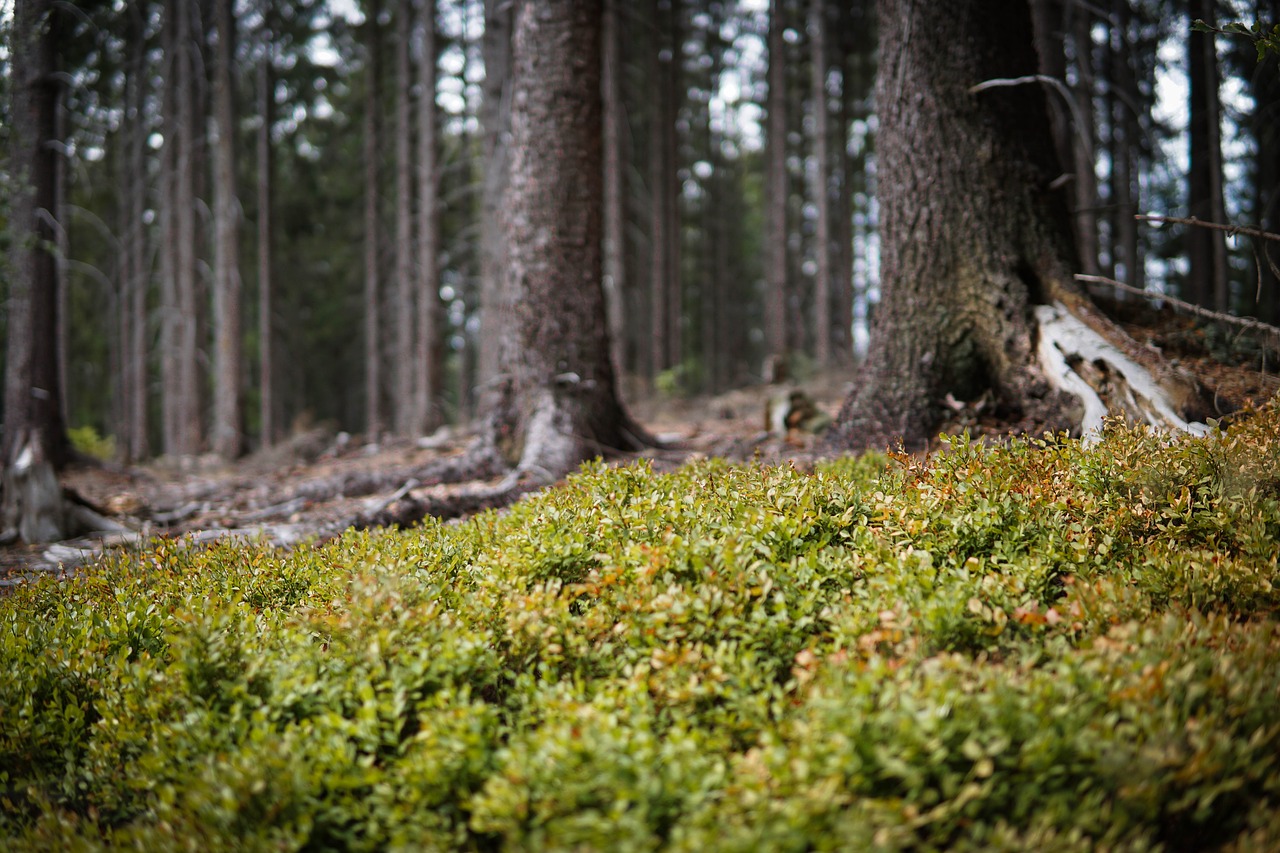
x=1216 y=226
x=1245 y=322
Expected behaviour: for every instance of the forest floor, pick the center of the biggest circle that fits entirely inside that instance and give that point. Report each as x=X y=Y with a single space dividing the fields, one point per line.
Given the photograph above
x=320 y=482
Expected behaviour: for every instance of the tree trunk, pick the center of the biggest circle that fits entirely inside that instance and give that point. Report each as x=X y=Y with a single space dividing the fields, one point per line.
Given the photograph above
x=1206 y=248
x=34 y=442
x=777 y=285
x=495 y=118
x=1265 y=85
x=226 y=287
x=266 y=232
x=1085 y=214
x=557 y=404
x=615 y=283
x=822 y=155
x=429 y=354
x=372 y=229
x=664 y=214
x=402 y=363
x=134 y=277
x=970 y=238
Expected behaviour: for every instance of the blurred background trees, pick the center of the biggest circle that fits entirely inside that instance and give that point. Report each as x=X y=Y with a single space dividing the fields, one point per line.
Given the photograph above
x=277 y=213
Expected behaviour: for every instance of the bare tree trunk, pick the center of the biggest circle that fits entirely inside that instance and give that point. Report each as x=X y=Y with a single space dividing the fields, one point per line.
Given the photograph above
x=135 y=358
x=615 y=283
x=402 y=363
x=34 y=442
x=372 y=230
x=495 y=118
x=1265 y=85
x=1085 y=218
x=429 y=354
x=822 y=155
x=558 y=404
x=1206 y=248
x=266 y=233
x=664 y=230
x=182 y=396
x=777 y=284
x=226 y=288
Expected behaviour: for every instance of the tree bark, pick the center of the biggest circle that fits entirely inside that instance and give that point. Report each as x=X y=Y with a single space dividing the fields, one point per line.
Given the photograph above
x=372 y=229
x=266 y=233
x=615 y=283
x=1265 y=85
x=495 y=118
x=557 y=403
x=822 y=155
x=971 y=236
x=777 y=285
x=1085 y=213
x=34 y=443
x=226 y=287
x=429 y=354
x=1206 y=248
x=664 y=213
x=405 y=309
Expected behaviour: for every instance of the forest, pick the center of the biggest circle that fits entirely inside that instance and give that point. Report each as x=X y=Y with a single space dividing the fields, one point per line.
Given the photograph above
x=670 y=425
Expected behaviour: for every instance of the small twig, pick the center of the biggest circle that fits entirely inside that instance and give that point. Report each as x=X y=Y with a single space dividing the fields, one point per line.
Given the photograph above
x=1053 y=82
x=1230 y=229
x=1245 y=322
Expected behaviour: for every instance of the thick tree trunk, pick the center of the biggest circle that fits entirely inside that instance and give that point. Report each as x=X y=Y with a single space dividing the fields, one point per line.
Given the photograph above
x=429 y=352
x=226 y=286
x=34 y=442
x=557 y=404
x=972 y=237
x=372 y=229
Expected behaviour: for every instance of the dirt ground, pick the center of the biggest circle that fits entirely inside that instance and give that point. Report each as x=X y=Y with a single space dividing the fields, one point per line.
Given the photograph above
x=320 y=482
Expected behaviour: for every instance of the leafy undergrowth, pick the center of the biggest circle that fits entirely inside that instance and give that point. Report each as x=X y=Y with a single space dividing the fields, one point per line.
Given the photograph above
x=1041 y=646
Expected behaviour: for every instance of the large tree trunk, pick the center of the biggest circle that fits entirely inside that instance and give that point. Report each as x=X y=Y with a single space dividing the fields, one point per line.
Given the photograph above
x=226 y=286
x=429 y=352
x=556 y=404
x=372 y=230
x=971 y=237
x=34 y=442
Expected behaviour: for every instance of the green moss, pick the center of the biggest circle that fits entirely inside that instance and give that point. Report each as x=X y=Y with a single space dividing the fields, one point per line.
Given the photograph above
x=1033 y=646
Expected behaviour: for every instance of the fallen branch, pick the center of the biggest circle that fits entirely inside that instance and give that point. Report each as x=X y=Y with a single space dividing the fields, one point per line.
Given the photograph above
x=1244 y=322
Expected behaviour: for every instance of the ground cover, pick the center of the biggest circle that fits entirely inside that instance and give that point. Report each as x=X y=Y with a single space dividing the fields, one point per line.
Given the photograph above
x=1028 y=645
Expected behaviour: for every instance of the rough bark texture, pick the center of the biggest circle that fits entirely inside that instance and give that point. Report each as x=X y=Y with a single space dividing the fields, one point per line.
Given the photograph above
x=226 y=286
x=972 y=237
x=34 y=443
x=556 y=404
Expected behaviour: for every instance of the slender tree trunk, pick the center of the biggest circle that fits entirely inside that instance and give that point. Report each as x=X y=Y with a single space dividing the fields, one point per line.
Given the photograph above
x=372 y=229
x=1085 y=218
x=133 y=281
x=429 y=355
x=34 y=441
x=970 y=239
x=1206 y=248
x=226 y=290
x=184 y=421
x=405 y=305
x=1126 y=148
x=822 y=155
x=664 y=228
x=1265 y=85
x=558 y=404
x=266 y=232
x=495 y=118
x=777 y=285
x=615 y=284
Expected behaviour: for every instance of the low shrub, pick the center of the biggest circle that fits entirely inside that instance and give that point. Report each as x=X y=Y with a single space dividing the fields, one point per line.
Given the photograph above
x=1033 y=646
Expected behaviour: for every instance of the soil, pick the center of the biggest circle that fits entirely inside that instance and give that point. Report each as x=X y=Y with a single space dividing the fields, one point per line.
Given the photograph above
x=320 y=481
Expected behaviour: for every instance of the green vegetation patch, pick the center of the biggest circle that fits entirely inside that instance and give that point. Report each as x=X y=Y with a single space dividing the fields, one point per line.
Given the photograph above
x=1036 y=646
